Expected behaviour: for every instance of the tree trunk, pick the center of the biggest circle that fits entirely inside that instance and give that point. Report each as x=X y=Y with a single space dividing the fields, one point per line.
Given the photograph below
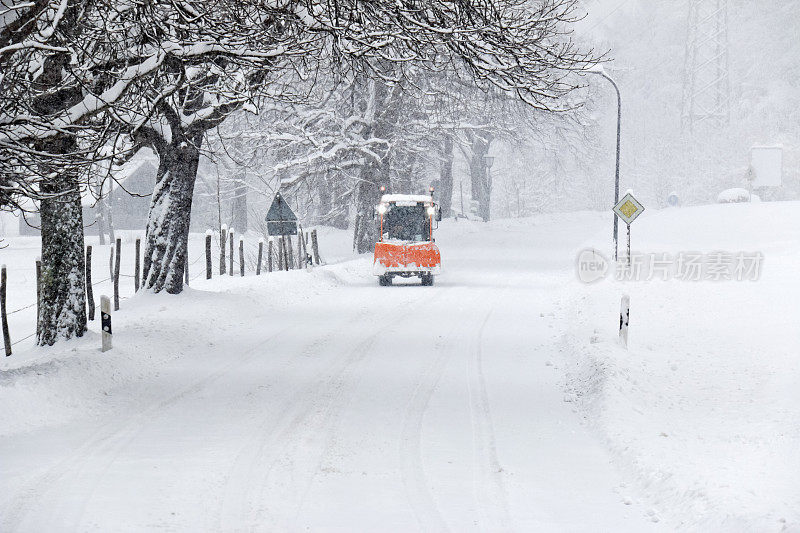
x=101 y=223
x=339 y=213
x=240 y=205
x=170 y=213
x=367 y=197
x=109 y=216
x=481 y=191
x=445 y=192
x=63 y=300
x=384 y=112
x=322 y=187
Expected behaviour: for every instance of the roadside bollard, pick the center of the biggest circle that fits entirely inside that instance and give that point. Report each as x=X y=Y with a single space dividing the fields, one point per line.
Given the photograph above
x=624 y=317
x=105 y=323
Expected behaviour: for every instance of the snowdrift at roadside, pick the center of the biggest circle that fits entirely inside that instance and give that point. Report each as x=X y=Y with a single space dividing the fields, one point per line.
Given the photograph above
x=702 y=412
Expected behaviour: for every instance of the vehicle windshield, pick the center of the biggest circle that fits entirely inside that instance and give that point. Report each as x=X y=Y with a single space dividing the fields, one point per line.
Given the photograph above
x=406 y=223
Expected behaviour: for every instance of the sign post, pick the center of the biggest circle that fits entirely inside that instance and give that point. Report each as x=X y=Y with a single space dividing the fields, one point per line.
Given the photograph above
x=281 y=220
x=628 y=209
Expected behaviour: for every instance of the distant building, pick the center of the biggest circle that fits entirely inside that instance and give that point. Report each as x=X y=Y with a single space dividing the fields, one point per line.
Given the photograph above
x=130 y=203
x=130 y=198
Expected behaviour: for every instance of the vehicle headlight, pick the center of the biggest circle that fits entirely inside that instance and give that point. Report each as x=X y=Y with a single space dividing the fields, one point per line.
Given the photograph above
x=431 y=211
x=382 y=209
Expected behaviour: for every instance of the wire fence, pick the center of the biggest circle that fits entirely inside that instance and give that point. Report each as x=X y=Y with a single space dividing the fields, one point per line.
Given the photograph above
x=199 y=257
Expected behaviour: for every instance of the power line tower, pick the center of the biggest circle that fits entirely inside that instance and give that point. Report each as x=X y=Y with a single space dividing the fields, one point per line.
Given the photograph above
x=706 y=87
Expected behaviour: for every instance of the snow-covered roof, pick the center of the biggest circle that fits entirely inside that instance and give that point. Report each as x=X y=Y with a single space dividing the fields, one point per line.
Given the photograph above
x=386 y=198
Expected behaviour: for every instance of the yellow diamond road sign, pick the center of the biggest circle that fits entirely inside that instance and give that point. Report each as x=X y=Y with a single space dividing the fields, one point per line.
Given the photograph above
x=628 y=209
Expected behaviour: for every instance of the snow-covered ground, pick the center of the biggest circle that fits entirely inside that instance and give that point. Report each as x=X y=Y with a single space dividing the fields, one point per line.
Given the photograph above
x=499 y=399
x=702 y=414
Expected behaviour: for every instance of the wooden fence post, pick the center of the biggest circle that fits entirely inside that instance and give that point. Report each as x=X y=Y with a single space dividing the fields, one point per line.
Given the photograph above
x=105 y=323
x=260 y=256
x=308 y=261
x=315 y=247
x=241 y=256
x=111 y=261
x=208 y=254
x=270 y=242
x=137 y=267
x=3 y=316
x=230 y=240
x=301 y=260
x=223 y=233
x=116 y=275
x=307 y=256
x=89 y=290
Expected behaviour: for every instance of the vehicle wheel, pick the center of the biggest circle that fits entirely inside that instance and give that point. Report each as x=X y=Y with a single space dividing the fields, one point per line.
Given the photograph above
x=385 y=280
x=427 y=279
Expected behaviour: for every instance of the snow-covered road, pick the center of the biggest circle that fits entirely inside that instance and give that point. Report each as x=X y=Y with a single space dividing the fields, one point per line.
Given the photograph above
x=324 y=401
x=498 y=399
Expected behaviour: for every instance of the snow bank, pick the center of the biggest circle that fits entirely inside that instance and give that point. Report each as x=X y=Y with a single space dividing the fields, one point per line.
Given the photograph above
x=44 y=387
x=702 y=411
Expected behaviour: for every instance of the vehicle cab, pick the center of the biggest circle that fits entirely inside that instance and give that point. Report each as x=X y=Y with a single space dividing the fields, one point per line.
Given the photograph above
x=406 y=246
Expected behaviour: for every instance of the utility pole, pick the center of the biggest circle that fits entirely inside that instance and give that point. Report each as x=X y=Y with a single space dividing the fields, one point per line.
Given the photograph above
x=706 y=83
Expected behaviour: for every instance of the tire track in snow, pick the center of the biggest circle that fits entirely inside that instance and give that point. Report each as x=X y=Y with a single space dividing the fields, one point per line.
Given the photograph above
x=112 y=442
x=77 y=471
x=488 y=487
x=416 y=483
x=236 y=503
x=312 y=412
x=418 y=490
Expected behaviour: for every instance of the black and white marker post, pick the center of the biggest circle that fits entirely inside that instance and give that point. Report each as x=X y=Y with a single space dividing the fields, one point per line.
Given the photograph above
x=105 y=323
x=624 y=319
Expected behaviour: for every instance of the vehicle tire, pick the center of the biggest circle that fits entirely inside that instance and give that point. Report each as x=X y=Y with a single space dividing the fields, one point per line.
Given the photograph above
x=385 y=280
x=427 y=279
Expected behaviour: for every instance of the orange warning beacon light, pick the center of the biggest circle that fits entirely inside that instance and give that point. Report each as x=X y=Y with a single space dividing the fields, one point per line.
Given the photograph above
x=405 y=245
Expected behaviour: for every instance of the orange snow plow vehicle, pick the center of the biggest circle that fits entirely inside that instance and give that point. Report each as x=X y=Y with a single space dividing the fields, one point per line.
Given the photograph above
x=406 y=246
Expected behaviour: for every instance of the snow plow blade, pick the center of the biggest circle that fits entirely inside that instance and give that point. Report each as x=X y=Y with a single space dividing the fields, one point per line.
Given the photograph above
x=406 y=258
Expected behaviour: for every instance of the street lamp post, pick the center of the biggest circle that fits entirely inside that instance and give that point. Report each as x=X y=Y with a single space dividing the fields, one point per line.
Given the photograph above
x=488 y=161
x=599 y=70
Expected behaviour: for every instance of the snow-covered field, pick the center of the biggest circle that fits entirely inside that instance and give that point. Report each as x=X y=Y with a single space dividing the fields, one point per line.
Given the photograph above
x=702 y=414
x=499 y=399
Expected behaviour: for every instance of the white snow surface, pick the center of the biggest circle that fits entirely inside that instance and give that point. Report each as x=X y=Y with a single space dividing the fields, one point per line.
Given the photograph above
x=498 y=399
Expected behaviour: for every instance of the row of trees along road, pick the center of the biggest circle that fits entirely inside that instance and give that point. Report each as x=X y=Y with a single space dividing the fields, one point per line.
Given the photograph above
x=90 y=80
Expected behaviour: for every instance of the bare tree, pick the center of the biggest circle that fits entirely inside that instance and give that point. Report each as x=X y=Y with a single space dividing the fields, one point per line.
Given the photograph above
x=75 y=74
